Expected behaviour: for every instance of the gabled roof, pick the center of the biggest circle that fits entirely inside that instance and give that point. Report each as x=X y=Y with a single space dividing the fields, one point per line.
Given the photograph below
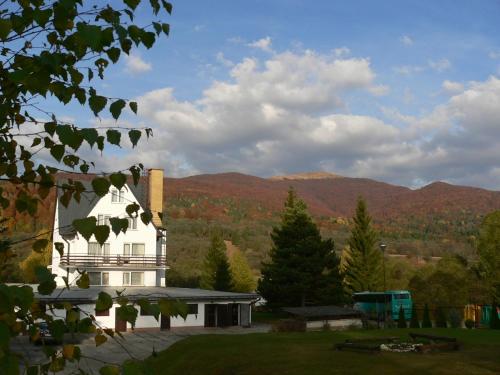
x=89 y=200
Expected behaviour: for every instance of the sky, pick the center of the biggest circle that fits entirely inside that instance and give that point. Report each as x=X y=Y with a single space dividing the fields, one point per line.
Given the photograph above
x=406 y=92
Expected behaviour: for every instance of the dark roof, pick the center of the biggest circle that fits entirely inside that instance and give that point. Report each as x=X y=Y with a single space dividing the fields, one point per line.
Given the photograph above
x=78 y=295
x=322 y=311
x=89 y=200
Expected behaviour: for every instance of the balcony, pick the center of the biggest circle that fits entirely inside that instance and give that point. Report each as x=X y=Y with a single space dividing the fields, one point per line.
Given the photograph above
x=132 y=261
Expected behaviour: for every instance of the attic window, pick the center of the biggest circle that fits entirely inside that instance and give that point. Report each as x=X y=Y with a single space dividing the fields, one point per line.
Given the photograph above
x=116 y=196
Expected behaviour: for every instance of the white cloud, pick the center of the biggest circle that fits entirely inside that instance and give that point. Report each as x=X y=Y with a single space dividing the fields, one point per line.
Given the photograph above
x=264 y=44
x=380 y=90
x=451 y=87
x=222 y=60
x=406 y=40
x=236 y=40
x=439 y=65
x=342 y=52
x=494 y=55
x=408 y=69
x=287 y=113
x=198 y=28
x=135 y=64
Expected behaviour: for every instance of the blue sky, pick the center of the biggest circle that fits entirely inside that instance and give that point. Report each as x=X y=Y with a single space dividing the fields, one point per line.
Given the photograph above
x=406 y=92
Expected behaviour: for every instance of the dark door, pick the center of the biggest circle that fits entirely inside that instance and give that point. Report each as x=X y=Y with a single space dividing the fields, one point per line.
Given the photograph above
x=234 y=314
x=120 y=325
x=223 y=315
x=164 y=322
x=210 y=315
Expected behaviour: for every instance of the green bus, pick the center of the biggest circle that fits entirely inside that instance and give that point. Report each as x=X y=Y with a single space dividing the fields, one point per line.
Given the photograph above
x=374 y=304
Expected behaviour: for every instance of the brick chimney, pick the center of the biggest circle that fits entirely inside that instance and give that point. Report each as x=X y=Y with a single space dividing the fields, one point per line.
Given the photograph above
x=155 y=194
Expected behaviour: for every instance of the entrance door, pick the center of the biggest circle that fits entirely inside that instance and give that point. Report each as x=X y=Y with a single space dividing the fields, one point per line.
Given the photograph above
x=164 y=322
x=245 y=315
x=223 y=315
x=120 y=325
x=210 y=315
x=234 y=314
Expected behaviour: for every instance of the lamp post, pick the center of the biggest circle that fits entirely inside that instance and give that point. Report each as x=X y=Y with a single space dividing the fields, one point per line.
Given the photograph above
x=382 y=248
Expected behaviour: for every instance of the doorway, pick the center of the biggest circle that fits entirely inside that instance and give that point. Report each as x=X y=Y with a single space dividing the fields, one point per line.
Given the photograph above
x=120 y=325
x=164 y=322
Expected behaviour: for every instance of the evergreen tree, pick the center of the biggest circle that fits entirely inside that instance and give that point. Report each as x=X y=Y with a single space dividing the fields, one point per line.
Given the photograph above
x=401 y=318
x=303 y=266
x=414 y=322
x=441 y=318
x=426 y=322
x=216 y=272
x=223 y=280
x=243 y=278
x=364 y=261
x=494 y=320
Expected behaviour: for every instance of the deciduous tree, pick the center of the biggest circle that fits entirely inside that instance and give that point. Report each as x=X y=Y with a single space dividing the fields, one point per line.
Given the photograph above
x=243 y=278
x=59 y=49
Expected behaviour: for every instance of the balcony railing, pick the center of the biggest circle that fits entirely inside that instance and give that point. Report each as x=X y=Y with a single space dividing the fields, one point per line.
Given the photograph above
x=86 y=260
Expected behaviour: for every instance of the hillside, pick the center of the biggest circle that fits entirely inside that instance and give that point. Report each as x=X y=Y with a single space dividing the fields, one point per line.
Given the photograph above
x=432 y=221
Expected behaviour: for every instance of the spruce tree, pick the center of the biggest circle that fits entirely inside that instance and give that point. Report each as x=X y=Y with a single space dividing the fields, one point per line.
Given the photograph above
x=441 y=318
x=426 y=322
x=222 y=279
x=401 y=318
x=303 y=267
x=216 y=272
x=364 y=260
x=494 y=320
x=414 y=322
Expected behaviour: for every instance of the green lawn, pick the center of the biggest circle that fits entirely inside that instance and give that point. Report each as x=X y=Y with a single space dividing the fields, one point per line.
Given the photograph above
x=311 y=353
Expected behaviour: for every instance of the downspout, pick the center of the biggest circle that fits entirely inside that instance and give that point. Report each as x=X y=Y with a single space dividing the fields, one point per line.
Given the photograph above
x=67 y=254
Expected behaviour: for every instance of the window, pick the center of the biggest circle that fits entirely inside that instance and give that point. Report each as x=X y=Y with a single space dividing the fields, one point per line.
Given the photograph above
x=116 y=196
x=103 y=220
x=95 y=249
x=146 y=313
x=138 y=249
x=98 y=278
x=102 y=313
x=132 y=222
x=133 y=278
x=192 y=308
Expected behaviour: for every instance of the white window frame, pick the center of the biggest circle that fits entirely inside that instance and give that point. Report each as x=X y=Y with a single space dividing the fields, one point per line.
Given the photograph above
x=127 y=278
x=102 y=250
x=130 y=251
x=101 y=278
x=103 y=219
x=132 y=223
x=117 y=196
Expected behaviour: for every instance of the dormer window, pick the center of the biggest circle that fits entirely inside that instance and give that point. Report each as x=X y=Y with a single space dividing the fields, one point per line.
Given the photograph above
x=116 y=196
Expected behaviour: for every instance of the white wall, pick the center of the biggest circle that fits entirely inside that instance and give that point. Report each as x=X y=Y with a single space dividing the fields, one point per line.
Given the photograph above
x=334 y=324
x=192 y=320
x=143 y=234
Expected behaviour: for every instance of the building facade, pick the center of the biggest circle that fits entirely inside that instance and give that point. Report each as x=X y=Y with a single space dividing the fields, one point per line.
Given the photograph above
x=134 y=262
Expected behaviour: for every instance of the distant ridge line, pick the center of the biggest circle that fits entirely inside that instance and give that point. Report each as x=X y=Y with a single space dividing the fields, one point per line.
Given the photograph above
x=306 y=176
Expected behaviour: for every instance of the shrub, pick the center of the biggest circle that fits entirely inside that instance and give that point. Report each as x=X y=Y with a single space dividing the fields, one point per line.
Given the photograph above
x=454 y=318
x=289 y=325
x=326 y=326
x=469 y=323
x=441 y=318
x=401 y=318
x=414 y=322
x=426 y=323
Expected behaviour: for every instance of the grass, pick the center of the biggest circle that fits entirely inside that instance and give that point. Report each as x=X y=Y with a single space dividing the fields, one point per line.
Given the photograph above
x=312 y=353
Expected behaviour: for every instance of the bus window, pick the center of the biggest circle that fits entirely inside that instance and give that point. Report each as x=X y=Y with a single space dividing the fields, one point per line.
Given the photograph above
x=401 y=296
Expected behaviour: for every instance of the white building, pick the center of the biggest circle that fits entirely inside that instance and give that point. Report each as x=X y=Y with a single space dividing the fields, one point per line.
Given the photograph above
x=135 y=261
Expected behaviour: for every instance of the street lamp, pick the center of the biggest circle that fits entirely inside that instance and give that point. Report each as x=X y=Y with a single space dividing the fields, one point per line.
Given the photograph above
x=382 y=248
